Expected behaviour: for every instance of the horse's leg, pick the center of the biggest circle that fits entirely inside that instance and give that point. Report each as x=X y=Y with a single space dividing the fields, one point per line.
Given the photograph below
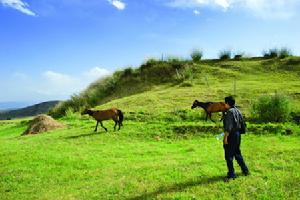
x=206 y=116
x=96 y=126
x=115 y=119
x=116 y=122
x=119 y=125
x=103 y=126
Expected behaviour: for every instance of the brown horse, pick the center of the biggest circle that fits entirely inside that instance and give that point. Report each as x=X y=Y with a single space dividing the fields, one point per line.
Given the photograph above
x=100 y=115
x=211 y=107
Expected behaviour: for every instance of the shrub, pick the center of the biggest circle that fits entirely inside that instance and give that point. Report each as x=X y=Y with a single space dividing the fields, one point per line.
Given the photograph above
x=175 y=63
x=271 y=53
x=285 y=52
x=71 y=115
x=148 y=64
x=196 y=55
x=276 y=108
x=127 y=72
x=225 y=55
x=239 y=56
x=277 y=53
x=60 y=109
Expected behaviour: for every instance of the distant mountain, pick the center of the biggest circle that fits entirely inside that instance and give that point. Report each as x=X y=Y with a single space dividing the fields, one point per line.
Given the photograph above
x=28 y=111
x=13 y=105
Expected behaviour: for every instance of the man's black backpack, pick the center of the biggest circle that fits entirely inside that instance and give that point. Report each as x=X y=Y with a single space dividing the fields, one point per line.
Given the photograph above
x=243 y=125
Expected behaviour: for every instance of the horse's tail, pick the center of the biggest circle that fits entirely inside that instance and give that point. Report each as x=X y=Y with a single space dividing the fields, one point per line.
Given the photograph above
x=121 y=117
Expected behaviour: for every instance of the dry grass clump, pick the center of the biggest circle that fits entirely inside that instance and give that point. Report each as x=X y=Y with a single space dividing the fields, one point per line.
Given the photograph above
x=42 y=123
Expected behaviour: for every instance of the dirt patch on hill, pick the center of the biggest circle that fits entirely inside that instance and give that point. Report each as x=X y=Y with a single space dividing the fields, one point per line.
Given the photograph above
x=42 y=123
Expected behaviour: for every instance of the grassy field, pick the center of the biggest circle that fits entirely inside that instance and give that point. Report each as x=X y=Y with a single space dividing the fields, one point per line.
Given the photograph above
x=145 y=160
x=165 y=150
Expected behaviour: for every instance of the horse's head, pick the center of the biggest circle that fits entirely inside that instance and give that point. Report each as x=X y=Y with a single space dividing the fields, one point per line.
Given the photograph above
x=87 y=112
x=195 y=104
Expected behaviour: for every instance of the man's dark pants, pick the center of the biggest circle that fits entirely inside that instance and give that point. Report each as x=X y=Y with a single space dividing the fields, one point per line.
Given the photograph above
x=232 y=150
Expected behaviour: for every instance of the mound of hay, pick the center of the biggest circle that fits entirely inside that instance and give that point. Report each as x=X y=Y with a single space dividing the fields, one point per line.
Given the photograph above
x=42 y=123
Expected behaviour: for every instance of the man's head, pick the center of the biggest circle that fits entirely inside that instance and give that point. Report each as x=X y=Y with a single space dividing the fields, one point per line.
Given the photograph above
x=230 y=100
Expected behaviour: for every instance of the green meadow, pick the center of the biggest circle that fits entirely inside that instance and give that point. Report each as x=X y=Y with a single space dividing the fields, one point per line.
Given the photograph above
x=165 y=150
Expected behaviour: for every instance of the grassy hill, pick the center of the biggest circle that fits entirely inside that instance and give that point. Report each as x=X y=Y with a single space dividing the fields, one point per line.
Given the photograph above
x=172 y=85
x=165 y=150
x=33 y=110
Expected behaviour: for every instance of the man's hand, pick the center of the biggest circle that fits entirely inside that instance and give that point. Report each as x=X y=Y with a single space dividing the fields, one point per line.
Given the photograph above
x=225 y=141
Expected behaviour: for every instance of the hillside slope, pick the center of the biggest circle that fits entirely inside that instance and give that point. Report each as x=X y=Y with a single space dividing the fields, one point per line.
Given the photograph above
x=174 y=84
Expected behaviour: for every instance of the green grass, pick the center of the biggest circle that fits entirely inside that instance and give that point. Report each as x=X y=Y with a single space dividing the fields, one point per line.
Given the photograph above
x=165 y=150
x=145 y=160
x=167 y=98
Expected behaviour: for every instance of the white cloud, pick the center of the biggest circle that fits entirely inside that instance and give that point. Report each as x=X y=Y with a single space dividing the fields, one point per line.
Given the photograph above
x=49 y=84
x=223 y=3
x=96 y=73
x=199 y=3
x=267 y=9
x=196 y=12
x=58 y=78
x=18 y=5
x=59 y=84
x=277 y=9
x=118 y=4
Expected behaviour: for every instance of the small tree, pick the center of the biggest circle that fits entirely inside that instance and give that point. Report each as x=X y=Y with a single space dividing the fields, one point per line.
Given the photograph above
x=225 y=55
x=196 y=55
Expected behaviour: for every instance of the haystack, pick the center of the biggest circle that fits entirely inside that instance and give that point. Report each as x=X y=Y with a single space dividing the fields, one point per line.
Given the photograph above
x=42 y=123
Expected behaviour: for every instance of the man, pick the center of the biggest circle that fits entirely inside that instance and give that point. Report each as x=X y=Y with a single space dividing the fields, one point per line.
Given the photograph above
x=232 y=139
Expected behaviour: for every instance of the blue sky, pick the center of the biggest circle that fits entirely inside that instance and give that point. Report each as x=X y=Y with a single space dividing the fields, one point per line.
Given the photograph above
x=51 y=49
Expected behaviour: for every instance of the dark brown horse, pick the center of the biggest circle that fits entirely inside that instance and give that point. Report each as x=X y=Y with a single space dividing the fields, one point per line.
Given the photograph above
x=101 y=115
x=211 y=107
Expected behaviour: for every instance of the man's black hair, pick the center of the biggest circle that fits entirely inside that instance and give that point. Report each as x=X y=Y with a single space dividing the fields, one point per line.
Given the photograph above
x=230 y=100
